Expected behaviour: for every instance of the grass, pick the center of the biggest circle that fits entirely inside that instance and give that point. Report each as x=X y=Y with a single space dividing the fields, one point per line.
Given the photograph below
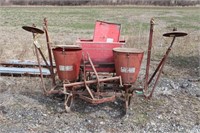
x=66 y=24
x=85 y=16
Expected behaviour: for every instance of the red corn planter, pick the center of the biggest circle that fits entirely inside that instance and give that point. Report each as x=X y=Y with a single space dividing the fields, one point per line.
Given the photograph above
x=108 y=69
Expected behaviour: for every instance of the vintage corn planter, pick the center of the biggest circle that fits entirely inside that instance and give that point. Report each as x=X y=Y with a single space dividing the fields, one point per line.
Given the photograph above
x=100 y=69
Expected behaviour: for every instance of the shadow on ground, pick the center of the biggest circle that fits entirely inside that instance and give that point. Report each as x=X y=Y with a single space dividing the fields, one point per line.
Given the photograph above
x=190 y=64
x=55 y=104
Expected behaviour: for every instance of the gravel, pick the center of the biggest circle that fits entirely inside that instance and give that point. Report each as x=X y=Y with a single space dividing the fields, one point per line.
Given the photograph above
x=174 y=107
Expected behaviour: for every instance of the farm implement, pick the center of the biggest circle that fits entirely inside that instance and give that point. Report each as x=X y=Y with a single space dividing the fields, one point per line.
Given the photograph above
x=96 y=70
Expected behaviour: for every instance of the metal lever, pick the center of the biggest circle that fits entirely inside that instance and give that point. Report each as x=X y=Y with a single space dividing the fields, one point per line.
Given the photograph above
x=160 y=66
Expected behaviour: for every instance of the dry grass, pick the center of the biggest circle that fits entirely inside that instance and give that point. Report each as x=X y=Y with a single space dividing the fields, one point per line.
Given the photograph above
x=66 y=24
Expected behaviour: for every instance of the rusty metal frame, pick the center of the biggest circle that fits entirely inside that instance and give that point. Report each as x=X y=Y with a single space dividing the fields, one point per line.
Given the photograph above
x=39 y=64
x=93 y=97
x=97 y=76
x=92 y=82
x=45 y=27
x=160 y=68
x=86 y=86
x=98 y=96
x=98 y=101
x=149 y=54
x=162 y=62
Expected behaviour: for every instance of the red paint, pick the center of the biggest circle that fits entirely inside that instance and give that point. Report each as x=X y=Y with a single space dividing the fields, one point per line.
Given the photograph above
x=67 y=62
x=100 y=53
x=105 y=31
x=127 y=63
x=106 y=37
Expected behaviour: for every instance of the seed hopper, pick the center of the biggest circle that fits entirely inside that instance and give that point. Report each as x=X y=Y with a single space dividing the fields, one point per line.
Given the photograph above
x=100 y=69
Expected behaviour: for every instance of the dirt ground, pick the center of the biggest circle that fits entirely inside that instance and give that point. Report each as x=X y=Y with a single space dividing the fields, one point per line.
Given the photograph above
x=174 y=107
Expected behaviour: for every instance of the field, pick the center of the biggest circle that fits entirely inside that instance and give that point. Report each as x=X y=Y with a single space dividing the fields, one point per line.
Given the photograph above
x=65 y=24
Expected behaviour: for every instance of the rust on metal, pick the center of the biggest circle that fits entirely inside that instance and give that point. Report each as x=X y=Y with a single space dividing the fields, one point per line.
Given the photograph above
x=160 y=66
x=33 y=29
x=86 y=86
x=67 y=46
x=103 y=55
x=127 y=63
x=49 y=52
x=175 y=34
x=128 y=50
x=68 y=62
x=98 y=101
x=91 y=81
x=40 y=67
x=152 y=23
x=97 y=77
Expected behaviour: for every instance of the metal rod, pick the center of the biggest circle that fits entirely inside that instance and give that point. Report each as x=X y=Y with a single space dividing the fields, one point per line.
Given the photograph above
x=41 y=75
x=92 y=81
x=49 y=51
x=38 y=47
x=158 y=67
x=97 y=76
x=44 y=59
x=86 y=86
x=98 y=101
x=89 y=91
x=162 y=66
x=149 y=54
x=40 y=69
x=120 y=81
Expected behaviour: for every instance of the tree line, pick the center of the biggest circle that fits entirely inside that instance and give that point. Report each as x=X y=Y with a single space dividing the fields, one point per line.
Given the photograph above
x=102 y=2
